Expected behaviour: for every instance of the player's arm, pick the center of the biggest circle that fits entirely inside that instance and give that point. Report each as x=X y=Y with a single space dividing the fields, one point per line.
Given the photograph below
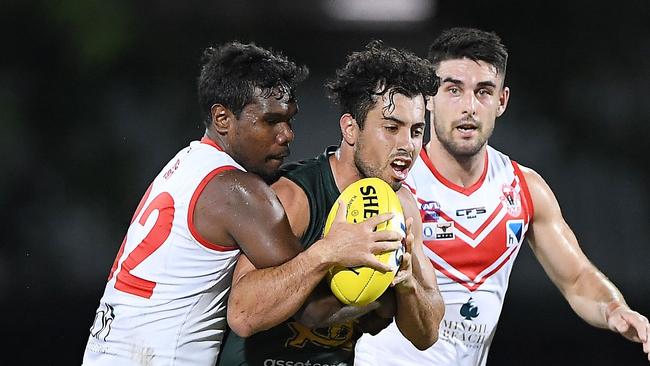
x=249 y=214
x=322 y=308
x=589 y=292
x=420 y=307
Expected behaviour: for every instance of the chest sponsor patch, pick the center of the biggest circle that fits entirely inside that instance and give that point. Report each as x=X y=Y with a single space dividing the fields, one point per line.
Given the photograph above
x=438 y=231
x=514 y=232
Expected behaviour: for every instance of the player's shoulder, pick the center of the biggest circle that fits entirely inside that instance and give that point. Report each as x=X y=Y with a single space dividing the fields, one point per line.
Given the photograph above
x=239 y=190
x=295 y=202
x=533 y=178
x=286 y=187
x=409 y=205
x=306 y=171
x=542 y=196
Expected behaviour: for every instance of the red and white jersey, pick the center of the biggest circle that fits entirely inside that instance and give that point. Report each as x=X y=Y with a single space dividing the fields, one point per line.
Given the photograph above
x=472 y=236
x=165 y=300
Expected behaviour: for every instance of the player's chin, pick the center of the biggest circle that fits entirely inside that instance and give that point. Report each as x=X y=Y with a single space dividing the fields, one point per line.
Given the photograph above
x=271 y=173
x=396 y=178
x=394 y=182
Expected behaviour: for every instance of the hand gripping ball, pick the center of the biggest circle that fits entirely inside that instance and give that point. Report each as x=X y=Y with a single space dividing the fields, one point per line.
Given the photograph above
x=365 y=198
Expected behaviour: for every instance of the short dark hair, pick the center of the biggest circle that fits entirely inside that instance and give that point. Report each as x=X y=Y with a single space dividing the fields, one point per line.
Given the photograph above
x=377 y=70
x=471 y=43
x=231 y=72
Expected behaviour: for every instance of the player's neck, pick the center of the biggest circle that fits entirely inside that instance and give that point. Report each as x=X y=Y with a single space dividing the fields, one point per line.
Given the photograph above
x=463 y=171
x=216 y=139
x=343 y=168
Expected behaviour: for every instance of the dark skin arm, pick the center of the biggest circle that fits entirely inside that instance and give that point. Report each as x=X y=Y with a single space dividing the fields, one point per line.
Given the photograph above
x=414 y=297
x=249 y=215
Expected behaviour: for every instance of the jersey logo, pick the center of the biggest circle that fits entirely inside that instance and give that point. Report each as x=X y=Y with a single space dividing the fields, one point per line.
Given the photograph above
x=469 y=245
x=469 y=310
x=438 y=230
x=430 y=211
x=514 y=232
x=336 y=336
x=470 y=213
x=510 y=199
x=102 y=324
x=445 y=230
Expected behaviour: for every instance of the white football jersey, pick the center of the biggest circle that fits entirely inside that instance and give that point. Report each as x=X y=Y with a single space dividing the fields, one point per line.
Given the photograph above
x=472 y=236
x=165 y=300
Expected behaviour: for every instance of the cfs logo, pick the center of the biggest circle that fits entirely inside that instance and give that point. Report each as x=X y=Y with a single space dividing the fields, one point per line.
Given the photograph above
x=470 y=213
x=430 y=210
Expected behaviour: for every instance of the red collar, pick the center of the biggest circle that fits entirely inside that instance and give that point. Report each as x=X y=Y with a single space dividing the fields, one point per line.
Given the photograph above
x=464 y=190
x=208 y=141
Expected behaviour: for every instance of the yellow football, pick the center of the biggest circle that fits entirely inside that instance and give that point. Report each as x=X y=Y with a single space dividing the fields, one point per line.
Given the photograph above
x=366 y=198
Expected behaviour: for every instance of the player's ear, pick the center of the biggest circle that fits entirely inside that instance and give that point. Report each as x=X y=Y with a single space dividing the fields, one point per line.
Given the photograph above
x=349 y=128
x=504 y=96
x=222 y=117
x=428 y=101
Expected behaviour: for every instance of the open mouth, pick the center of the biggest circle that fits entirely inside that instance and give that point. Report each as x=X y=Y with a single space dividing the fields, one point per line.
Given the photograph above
x=467 y=128
x=401 y=167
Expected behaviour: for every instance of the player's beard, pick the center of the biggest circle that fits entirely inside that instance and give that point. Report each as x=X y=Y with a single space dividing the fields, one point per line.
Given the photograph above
x=461 y=149
x=366 y=170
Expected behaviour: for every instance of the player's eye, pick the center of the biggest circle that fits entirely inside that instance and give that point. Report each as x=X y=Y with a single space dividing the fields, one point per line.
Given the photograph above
x=454 y=90
x=484 y=92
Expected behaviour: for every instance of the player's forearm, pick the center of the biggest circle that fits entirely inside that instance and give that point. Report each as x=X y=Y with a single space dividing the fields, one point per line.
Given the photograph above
x=279 y=292
x=419 y=313
x=590 y=296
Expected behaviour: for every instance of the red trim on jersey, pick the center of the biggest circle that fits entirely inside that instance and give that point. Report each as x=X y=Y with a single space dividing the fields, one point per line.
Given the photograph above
x=524 y=187
x=451 y=185
x=206 y=140
x=195 y=198
x=461 y=228
x=472 y=260
x=137 y=212
x=474 y=285
x=409 y=188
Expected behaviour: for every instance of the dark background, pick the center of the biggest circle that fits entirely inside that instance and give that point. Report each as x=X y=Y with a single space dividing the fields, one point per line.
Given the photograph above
x=95 y=97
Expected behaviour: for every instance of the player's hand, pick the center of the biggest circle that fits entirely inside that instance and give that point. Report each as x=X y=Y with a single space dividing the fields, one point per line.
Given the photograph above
x=352 y=245
x=404 y=280
x=629 y=324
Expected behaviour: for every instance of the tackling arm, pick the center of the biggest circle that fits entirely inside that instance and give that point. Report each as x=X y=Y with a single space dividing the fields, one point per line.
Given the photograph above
x=261 y=229
x=322 y=308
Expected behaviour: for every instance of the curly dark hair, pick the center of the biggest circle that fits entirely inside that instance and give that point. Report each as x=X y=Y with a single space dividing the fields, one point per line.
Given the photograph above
x=231 y=72
x=471 y=43
x=379 y=69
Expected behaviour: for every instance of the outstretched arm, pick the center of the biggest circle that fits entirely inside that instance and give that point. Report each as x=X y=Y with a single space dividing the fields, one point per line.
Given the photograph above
x=589 y=292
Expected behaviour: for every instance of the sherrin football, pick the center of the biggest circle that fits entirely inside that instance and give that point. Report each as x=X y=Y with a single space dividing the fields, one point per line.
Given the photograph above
x=365 y=198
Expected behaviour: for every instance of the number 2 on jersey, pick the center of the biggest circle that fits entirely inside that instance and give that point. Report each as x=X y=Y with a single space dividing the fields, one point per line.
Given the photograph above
x=127 y=282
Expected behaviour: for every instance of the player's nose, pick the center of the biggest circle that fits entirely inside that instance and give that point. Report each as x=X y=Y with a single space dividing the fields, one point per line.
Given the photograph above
x=285 y=136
